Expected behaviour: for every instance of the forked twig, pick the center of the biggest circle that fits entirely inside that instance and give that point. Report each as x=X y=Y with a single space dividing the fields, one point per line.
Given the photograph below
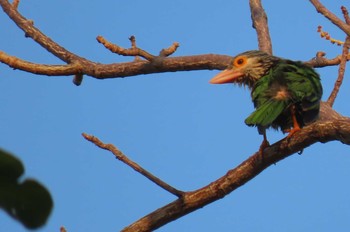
x=133 y=51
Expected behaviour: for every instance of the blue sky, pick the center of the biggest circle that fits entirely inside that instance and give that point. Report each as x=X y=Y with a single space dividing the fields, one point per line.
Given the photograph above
x=176 y=125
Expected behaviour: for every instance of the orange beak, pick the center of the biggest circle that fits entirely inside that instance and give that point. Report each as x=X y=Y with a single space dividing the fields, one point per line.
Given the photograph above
x=226 y=76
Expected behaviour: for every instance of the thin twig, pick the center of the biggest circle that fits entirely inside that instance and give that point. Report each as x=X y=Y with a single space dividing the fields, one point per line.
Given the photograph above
x=119 y=155
x=343 y=61
x=345 y=14
x=341 y=72
x=15 y=3
x=133 y=51
x=327 y=36
x=133 y=45
x=260 y=24
x=332 y=17
x=170 y=50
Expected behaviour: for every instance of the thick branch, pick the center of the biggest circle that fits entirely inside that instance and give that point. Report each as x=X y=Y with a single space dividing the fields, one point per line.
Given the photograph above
x=322 y=131
x=259 y=19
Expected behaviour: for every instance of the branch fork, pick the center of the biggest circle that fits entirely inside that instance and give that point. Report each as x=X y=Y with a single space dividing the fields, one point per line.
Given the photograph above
x=136 y=51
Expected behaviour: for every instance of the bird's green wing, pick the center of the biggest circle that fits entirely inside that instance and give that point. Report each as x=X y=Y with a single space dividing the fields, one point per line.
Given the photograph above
x=286 y=84
x=267 y=108
x=305 y=88
x=265 y=114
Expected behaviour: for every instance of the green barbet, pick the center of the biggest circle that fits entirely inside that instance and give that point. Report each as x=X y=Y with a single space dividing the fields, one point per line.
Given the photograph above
x=286 y=94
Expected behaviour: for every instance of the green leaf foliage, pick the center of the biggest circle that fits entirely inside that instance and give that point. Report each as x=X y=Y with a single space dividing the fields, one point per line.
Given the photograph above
x=28 y=202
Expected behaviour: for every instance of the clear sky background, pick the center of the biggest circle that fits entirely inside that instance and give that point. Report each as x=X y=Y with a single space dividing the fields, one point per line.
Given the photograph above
x=178 y=126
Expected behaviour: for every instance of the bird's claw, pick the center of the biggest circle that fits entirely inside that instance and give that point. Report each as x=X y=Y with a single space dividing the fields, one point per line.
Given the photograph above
x=292 y=131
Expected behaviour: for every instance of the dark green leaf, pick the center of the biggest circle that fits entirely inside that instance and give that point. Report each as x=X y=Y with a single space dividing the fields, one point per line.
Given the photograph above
x=10 y=166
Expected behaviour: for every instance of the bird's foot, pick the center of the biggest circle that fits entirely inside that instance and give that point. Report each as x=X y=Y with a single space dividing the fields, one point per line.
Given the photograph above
x=263 y=145
x=292 y=131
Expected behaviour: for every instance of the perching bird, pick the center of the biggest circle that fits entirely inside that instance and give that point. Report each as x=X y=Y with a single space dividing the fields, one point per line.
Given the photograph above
x=286 y=94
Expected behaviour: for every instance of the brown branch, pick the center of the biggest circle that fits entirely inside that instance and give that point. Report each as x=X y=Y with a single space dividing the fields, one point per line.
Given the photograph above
x=50 y=70
x=332 y=17
x=120 y=156
x=341 y=72
x=133 y=45
x=30 y=31
x=319 y=61
x=321 y=131
x=170 y=50
x=133 y=51
x=343 y=61
x=346 y=14
x=79 y=66
x=15 y=3
x=259 y=19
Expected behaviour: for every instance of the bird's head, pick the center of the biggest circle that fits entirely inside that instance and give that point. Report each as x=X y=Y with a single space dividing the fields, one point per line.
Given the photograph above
x=246 y=68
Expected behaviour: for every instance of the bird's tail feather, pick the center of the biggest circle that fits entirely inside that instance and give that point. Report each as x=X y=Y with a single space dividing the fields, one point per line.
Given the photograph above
x=266 y=113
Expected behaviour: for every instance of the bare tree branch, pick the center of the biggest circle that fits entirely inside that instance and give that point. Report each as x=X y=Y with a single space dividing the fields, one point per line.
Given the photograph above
x=341 y=72
x=78 y=66
x=133 y=51
x=42 y=69
x=346 y=14
x=259 y=19
x=120 y=156
x=15 y=3
x=332 y=17
x=30 y=31
x=343 y=61
x=319 y=61
x=321 y=131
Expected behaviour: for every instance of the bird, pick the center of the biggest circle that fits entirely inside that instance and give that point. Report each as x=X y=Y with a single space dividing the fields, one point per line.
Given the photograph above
x=286 y=94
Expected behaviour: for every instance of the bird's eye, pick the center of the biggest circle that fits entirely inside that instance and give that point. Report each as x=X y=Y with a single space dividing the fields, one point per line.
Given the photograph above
x=240 y=61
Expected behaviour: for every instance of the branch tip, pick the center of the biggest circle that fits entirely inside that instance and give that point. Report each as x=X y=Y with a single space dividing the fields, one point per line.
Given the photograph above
x=133 y=41
x=15 y=4
x=78 y=79
x=120 y=156
x=346 y=14
x=170 y=50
